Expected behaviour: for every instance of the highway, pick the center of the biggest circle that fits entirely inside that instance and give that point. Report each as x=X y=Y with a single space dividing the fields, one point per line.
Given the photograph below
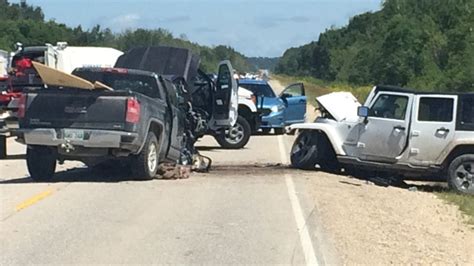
x=251 y=208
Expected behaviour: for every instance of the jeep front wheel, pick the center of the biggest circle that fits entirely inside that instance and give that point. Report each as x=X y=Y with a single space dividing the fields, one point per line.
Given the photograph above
x=304 y=153
x=237 y=136
x=461 y=174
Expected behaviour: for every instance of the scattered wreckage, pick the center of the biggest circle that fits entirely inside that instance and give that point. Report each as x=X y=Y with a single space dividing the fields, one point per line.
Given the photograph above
x=397 y=132
x=147 y=111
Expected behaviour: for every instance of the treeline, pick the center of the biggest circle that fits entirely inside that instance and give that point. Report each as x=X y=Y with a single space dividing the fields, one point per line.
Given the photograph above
x=423 y=44
x=26 y=24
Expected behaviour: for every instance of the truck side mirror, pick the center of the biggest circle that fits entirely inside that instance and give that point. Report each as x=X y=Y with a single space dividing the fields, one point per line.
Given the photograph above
x=363 y=111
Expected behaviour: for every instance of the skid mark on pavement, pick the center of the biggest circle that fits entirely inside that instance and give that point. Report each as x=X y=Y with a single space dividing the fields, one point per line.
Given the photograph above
x=305 y=238
x=31 y=201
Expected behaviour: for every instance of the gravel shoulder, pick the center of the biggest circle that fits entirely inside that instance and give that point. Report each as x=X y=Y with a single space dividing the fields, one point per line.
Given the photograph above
x=369 y=224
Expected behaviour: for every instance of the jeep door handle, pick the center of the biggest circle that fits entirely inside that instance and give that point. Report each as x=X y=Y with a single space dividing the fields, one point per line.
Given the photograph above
x=399 y=128
x=445 y=130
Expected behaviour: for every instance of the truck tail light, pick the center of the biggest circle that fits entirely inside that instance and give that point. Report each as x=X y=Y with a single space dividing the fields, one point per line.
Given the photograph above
x=21 y=106
x=133 y=111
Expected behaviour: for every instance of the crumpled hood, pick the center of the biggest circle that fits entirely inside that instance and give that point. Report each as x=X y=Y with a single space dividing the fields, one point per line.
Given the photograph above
x=341 y=105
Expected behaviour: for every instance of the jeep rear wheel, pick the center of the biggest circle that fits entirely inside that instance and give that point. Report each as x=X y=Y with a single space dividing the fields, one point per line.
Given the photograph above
x=41 y=162
x=145 y=164
x=304 y=153
x=461 y=174
x=237 y=136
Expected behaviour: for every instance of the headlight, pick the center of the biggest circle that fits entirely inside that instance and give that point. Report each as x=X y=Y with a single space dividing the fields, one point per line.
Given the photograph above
x=277 y=108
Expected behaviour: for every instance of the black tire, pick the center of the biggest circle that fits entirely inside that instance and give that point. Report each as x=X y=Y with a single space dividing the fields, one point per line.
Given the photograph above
x=304 y=153
x=145 y=164
x=236 y=137
x=41 y=162
x=279 y=131
x=3 y=147
x=461 y=174
x=327 y=156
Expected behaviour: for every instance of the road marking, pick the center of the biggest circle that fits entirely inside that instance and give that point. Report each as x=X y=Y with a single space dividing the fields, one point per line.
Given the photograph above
x=27 y=203
x=305 y=238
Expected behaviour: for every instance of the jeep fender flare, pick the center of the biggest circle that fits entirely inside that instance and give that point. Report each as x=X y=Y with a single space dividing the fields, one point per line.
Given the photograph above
x=326 y=129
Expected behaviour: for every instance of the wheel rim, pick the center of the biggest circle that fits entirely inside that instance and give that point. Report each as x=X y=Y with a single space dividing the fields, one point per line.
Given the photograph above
x=464 y=176
x=235 y=134
x=301 y=147
x=152 y=157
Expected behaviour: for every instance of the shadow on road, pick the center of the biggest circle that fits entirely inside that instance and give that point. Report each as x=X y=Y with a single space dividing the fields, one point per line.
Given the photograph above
x=14 y=157
x=82 y=175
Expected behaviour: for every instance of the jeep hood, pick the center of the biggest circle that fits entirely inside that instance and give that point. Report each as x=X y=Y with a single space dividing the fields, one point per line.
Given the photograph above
x=341 y=105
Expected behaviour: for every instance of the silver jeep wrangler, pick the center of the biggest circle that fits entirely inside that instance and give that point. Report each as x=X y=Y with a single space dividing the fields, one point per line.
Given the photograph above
x=397 y=132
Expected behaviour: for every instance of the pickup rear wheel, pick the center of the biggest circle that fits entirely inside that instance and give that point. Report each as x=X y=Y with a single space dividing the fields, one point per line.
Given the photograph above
x=237 y=136
x=304 y=153
x=41 y=162
x=461 y=174
x=145 y=164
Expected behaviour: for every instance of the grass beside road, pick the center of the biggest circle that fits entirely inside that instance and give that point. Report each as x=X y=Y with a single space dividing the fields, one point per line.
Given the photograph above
x=316 y=87
x=465 y=203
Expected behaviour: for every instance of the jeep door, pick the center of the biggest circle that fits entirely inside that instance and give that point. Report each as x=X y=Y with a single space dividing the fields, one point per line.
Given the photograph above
x=295 y=100
x=385 y=134
x=225 y=98
x=433 y=126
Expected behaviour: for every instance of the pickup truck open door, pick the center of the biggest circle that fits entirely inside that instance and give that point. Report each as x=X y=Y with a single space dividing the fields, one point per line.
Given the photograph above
x=225 y=98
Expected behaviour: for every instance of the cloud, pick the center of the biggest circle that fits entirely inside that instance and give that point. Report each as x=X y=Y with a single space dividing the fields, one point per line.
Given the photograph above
x=126 y=19
x=174 y=19
x=205 y=30
x=272 y=22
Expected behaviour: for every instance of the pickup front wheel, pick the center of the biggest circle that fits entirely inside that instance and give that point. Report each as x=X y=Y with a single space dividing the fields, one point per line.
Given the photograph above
x=41 y=162
x=237 y=136
x=145 y=164
x=461 y=174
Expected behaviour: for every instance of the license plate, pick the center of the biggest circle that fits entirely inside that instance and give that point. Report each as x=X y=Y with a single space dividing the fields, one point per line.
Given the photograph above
x=74 y=134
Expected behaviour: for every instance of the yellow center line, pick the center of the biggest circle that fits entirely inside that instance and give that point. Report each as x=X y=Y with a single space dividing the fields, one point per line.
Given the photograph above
x=27 y=203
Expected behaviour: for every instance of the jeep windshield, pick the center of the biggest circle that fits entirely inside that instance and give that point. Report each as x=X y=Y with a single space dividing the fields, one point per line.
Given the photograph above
x=123 y=81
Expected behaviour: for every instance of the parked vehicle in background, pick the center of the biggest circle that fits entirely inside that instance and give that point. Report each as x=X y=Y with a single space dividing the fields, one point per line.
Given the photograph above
x=248 y=121
x=24 y=76
x=397 y=132
x=278 y=111
x=139 y=118
x=3 y=64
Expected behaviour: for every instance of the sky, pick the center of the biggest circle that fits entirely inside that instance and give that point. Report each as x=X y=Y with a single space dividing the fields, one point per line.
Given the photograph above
x=255 y=28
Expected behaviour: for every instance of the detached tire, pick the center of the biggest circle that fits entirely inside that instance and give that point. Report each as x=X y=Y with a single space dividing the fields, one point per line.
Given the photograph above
x=461 y=174
x=304 y=153
x=41 y=162
x=237 y=136
x=145 y=164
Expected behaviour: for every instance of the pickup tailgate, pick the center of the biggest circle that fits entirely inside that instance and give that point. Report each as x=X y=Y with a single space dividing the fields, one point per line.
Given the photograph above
x=70 y=108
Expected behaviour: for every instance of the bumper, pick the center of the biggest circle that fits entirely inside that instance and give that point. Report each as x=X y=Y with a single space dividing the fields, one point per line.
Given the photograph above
x=273 y=120
x=91 y=138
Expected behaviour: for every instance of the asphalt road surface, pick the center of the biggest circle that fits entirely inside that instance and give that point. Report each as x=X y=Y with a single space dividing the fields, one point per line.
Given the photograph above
x=250 y=209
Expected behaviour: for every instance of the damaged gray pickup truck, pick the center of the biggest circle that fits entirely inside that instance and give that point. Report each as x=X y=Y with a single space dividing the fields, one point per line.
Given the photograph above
x=147 y=110
x=397 y=132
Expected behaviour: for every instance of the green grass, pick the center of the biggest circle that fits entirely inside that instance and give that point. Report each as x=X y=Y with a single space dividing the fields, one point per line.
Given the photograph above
x=316 y=87
x=464 y=202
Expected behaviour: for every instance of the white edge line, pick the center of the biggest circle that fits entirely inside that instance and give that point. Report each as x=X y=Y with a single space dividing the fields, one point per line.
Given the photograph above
x=305 y=238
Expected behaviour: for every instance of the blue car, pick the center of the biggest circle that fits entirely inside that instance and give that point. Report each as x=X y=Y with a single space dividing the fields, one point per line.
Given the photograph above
x=278 y=111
